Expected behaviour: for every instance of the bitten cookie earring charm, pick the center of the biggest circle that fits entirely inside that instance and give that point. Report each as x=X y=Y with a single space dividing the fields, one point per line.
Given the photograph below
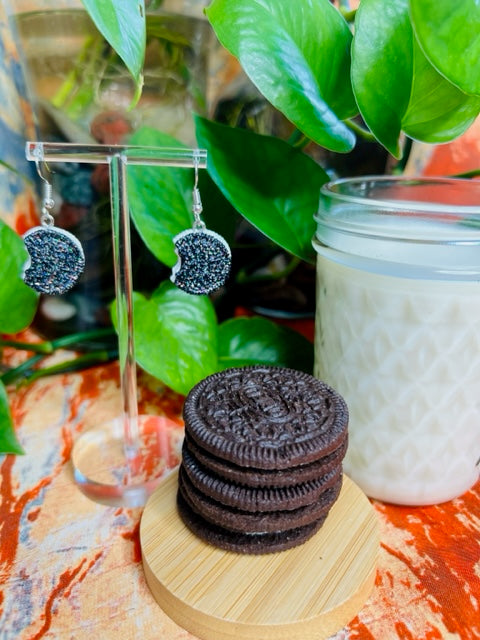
x=204 y=257
x=56 y=258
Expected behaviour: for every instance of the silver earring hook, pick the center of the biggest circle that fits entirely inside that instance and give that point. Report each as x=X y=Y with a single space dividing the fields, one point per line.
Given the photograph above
x=196 y=163
x=197 y=201
x=47 y=198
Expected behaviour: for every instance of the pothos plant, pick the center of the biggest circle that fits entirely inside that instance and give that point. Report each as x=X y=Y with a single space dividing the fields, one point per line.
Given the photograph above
x=389 y=71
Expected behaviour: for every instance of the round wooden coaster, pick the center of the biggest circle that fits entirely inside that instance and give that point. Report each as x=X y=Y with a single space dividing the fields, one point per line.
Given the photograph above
x=306 y=593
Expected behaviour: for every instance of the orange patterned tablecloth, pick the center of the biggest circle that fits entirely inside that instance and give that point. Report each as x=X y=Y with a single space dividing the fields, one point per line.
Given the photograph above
x=71 y=568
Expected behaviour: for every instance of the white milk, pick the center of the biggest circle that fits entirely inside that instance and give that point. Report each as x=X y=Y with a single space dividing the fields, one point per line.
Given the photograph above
x=398 y=331
x=405 y=354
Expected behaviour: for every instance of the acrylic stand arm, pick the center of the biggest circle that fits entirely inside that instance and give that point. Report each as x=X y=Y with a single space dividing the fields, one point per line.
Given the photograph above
x=124 y=302
x=114 y=475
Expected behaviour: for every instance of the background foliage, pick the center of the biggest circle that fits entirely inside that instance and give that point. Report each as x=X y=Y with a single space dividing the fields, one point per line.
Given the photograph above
x=390 y=72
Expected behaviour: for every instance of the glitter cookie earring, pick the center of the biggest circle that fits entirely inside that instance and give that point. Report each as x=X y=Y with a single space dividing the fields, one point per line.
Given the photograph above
x=56 y=258
x=204 y=257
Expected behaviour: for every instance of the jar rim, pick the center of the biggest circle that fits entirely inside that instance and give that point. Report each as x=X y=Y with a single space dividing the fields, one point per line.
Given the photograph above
x=357 y=220
x=458 y=197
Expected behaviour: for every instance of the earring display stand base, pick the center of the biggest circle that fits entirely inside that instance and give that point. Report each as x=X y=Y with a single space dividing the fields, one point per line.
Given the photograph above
x=104 y=473
x=305 y=593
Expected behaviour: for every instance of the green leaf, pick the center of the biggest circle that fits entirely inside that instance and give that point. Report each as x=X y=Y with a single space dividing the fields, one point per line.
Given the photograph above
x=248 y=341
x=382 y=67
x=175 y=336
x=272 y=184
x=160 y=198
x=396 y=88
x=448 y=33
x=298 y=55
x=18 y=302
x=8 y=439
x=437 y=110
x=122 y=24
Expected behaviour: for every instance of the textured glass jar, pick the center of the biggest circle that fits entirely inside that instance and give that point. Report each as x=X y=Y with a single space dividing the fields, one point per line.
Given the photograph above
x=398 y=331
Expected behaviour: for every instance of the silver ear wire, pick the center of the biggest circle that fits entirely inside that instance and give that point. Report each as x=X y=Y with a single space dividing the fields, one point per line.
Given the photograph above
x=197 y=207
x=47 y=197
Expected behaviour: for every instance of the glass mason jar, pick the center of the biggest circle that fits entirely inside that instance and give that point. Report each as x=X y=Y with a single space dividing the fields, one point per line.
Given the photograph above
x=397 y=331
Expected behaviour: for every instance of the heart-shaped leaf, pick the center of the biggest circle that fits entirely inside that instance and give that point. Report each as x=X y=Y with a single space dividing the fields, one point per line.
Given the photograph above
x=8 y=439
x=437 y=111
x=382 y=67
x=249 y=341
x=160 y=198
x=175 y=336
x=122 y=24
x=18 y=302
x=448 y=33
x=397 y=89
x=298 y=55
x=272 y=184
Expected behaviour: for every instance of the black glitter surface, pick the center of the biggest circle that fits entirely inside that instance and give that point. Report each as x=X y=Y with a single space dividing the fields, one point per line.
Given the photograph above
x=204 y=261
x=56 y=260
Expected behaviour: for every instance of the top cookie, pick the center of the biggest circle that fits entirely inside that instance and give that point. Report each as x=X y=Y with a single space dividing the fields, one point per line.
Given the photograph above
x=265 y=417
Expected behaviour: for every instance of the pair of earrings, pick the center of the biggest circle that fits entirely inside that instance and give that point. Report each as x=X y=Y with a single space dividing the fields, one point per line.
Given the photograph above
x=56 y=258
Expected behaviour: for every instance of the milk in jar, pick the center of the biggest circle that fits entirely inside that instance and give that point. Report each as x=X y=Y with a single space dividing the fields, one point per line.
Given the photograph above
x=397 y=332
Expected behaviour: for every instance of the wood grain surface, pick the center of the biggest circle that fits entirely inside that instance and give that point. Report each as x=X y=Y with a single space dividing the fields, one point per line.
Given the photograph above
x=308 y=592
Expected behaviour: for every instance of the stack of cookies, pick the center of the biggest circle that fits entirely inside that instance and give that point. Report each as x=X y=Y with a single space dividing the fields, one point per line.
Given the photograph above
x=262 y=458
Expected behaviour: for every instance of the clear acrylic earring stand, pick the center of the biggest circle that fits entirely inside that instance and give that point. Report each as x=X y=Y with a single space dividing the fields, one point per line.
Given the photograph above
x=120 y=463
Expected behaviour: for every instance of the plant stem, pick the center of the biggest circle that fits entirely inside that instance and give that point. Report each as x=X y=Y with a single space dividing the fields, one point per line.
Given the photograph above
x=11 y=376
x=243 y=278
x=23 y=369
x=66 y=341
x=76 y=364
x=298 y=139
x=70 y=82
x=346 y=10
x=81 y=84
x=360 y=131
x=138 y=93
x=36 y=347
x=402 y=163
x=467 y=174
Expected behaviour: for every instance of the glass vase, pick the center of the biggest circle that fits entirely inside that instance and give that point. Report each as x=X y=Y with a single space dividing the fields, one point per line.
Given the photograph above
x=82 y=93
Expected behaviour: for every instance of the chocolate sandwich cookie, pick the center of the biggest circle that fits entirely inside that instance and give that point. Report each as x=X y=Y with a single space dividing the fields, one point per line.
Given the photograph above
x=265 y=417
x=242 y=521
x=256 y=499
x=263 y=477
x=262 y=458
x=256 y=543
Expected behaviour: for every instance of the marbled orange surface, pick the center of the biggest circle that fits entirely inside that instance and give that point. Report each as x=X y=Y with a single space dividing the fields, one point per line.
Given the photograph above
x=71 y=568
